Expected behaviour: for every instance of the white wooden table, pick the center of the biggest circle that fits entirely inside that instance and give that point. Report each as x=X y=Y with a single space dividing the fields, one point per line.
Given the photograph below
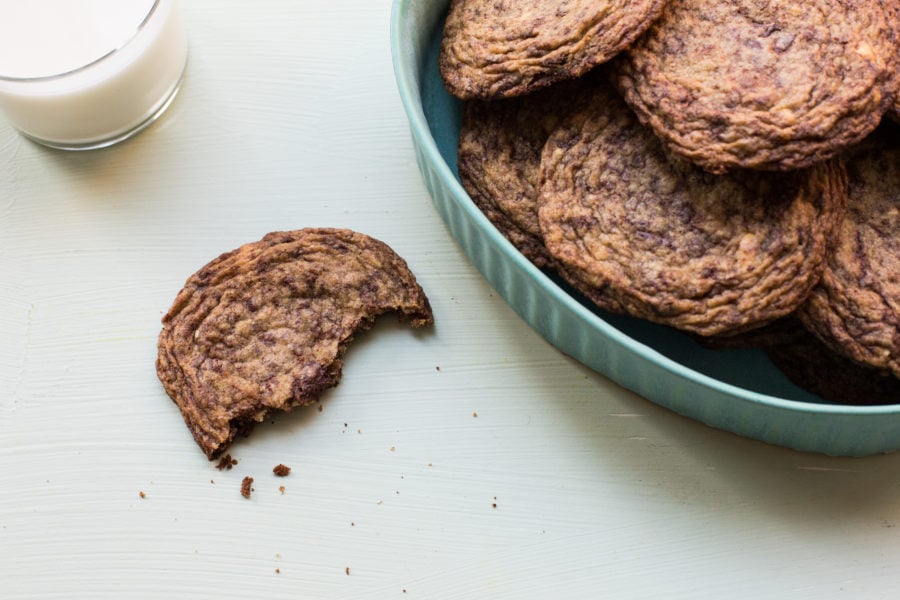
x=470 y=461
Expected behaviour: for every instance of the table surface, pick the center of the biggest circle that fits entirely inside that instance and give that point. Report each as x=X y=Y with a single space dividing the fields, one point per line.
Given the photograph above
x=470 y=461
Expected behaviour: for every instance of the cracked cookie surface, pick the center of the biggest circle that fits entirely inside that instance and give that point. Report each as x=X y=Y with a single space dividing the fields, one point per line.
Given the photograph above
x=503 y=48
x=708 y=254
x=855 y=309
x=771 y=85
x=264 y=327
x=499 y=157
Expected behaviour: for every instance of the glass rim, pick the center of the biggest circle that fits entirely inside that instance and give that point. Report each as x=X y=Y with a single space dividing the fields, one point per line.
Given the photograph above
x=137 y=30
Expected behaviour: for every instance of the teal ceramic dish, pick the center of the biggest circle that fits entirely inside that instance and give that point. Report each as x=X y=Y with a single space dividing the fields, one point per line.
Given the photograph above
x=734 y=390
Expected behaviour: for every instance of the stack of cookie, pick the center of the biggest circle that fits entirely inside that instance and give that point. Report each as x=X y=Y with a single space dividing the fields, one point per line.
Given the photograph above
x=721 y=167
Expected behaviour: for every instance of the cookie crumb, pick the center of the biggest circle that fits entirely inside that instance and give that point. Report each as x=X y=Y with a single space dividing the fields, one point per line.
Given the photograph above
x=281 y=470
x=226 y=463
x=281 y=489
x=277 y=570
x=142 y=494
x=347 y=570
x=246 y=486
x=475 y=414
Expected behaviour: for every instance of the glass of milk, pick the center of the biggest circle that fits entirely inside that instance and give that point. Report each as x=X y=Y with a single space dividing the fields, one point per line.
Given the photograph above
x=83 y=74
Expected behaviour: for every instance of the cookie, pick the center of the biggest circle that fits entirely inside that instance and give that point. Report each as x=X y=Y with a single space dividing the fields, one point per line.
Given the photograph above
x=499 y=157
x=894 y=18
x=500 y=48
x=814 y=367
x=774 y=85
x=264 y=327
x=708 y=254
x=855 y=309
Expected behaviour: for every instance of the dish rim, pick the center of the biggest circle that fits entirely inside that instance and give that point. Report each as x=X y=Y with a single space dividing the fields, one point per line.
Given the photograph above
x=410 y=98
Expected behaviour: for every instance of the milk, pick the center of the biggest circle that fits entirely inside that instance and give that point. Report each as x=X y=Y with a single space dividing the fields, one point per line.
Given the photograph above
x=87 y=73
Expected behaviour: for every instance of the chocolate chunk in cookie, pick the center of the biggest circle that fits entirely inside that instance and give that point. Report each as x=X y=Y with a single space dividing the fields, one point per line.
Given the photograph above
x=708 y=254
x=502 y=48
x=264 y=327
x=855 y=309
x=774 y=85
